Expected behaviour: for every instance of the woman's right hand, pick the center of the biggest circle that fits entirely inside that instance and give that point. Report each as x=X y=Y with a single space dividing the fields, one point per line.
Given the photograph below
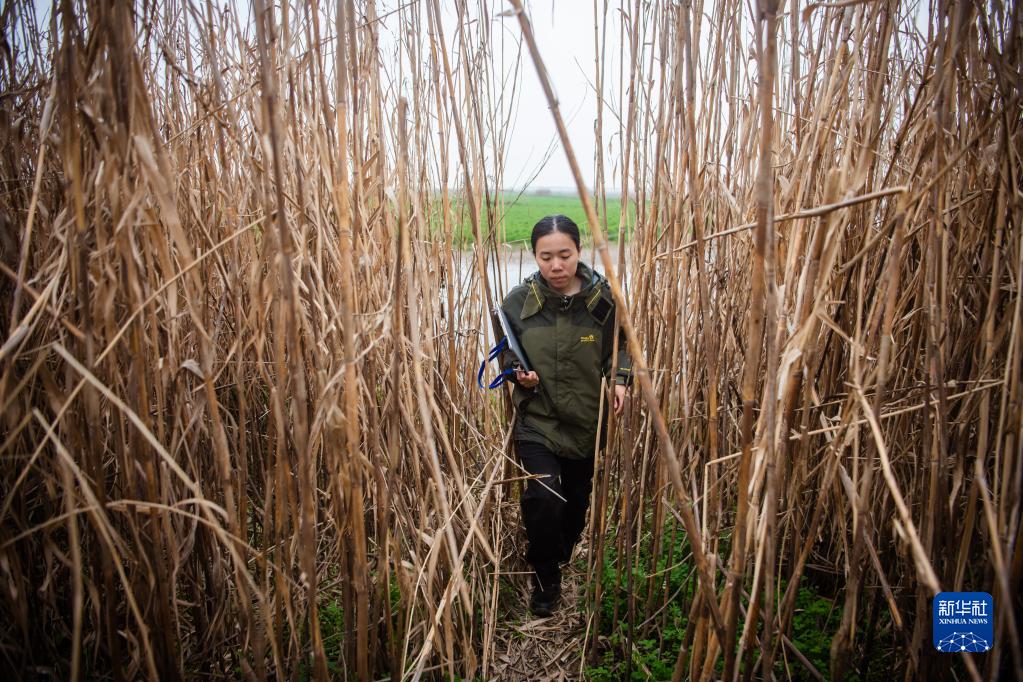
x=526 y=379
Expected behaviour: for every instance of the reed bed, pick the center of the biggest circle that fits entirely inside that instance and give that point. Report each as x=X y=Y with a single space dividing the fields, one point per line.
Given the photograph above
x=241 y=431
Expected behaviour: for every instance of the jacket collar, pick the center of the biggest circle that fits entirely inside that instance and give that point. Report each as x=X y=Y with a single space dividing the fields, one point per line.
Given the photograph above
x=540 y=291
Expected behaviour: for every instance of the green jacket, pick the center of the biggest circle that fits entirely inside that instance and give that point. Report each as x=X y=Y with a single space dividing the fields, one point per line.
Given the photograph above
x=568 y=343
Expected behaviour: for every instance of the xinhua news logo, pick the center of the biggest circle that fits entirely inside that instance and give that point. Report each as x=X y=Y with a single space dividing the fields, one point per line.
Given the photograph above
x=963 y=622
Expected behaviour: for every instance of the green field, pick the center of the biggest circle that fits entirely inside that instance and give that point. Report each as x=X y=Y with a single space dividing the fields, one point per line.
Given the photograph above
x=516 y=215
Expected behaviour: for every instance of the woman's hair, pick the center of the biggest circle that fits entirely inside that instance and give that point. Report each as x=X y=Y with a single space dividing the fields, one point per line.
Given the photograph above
x=555 y=223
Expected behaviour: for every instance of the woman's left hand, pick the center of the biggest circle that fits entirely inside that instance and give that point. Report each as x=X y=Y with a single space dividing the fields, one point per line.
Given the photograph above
x=619 y=399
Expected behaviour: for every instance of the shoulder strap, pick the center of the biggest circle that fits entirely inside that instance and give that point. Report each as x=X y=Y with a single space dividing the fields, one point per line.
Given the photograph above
x=600 y=304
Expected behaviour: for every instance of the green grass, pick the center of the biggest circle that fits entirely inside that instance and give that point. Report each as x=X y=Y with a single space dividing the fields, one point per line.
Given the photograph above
x=516 y=214
x=654 y=653
x=332 y=630
x=815 y=621
x=521 y=212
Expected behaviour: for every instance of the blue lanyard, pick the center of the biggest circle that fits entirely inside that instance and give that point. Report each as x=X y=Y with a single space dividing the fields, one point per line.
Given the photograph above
x=503 y=376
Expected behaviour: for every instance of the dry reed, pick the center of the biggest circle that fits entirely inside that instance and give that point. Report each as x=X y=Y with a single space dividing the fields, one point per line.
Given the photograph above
x=241 y=434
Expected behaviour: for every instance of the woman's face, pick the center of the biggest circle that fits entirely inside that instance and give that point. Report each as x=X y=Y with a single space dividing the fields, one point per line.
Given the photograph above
x=558 y=257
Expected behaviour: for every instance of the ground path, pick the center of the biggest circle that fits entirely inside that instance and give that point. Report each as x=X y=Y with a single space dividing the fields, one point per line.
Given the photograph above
x=539 y=649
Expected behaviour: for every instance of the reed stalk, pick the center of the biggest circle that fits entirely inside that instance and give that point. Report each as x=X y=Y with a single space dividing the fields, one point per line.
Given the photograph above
x=246 y=261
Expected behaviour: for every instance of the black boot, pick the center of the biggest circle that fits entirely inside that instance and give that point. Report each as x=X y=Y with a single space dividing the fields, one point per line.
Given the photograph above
x=546 y=595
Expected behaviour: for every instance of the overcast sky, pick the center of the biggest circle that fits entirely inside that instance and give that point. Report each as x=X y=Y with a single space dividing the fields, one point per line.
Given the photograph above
x=564 y=34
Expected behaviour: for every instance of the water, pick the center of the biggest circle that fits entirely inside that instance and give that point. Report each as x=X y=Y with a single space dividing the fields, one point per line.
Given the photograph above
x=516 y=264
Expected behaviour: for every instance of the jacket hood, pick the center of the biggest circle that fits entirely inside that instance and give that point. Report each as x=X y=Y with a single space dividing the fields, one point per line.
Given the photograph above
x=540 y=291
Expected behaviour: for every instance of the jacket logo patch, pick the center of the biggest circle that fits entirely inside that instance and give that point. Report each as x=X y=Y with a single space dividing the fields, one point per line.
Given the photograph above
x=589 y=338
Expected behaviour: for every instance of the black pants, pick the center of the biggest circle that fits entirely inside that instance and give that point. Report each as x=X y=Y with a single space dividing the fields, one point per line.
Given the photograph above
x=553 y=525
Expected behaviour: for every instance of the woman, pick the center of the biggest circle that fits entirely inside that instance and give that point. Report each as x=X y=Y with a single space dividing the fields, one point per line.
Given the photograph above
x=563 y=317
